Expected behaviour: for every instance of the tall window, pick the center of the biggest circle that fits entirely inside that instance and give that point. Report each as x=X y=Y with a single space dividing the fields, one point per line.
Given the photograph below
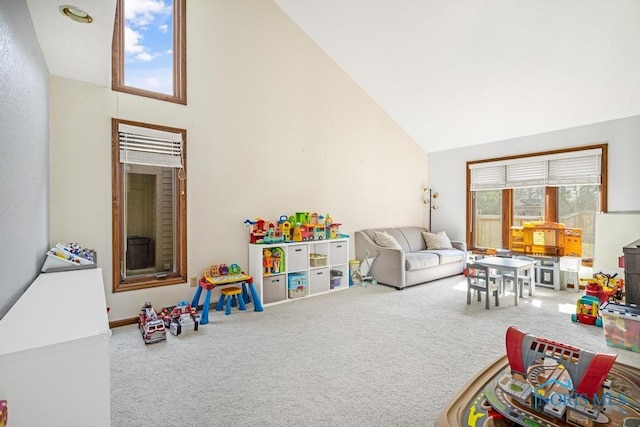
x=528 y=205
x=149 y=209
x=566 y=186
x=149 y=49
x=488 y=218
x=576 y=205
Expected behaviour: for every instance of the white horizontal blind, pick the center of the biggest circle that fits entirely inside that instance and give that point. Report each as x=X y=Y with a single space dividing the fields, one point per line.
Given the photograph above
x=151 y=147
x=575 y=171
x=487 y=178
x=566 y=168
x=528 y=174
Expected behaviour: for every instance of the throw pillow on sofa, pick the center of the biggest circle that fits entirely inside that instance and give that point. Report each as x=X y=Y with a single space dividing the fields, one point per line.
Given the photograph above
x=437 y=240
x=384 y=239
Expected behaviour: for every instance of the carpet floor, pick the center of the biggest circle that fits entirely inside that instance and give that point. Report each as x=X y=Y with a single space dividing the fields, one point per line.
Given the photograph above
x=370 y=356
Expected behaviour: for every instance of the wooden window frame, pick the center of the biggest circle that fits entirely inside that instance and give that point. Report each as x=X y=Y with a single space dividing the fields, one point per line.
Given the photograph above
x=179 y=57
x=551 y=193
x=120 y=283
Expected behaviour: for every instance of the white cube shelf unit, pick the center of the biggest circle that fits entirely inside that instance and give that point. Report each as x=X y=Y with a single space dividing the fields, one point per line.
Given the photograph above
x=323 y=266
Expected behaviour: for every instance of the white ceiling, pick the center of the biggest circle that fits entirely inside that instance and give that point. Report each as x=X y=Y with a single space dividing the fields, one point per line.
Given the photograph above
x=451 y=73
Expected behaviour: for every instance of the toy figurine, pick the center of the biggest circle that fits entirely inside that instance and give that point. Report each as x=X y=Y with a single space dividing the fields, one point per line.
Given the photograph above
x=267 y=261
x=224 y=270
x=276 y=261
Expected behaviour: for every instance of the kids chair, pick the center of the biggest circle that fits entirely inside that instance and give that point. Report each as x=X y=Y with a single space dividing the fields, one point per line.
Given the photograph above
x=522 y=279
x=231 y=295
x=494 y=277
x=478 y=280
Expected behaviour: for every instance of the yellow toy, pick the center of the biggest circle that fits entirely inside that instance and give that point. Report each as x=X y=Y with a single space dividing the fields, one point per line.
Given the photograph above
x=267 y=261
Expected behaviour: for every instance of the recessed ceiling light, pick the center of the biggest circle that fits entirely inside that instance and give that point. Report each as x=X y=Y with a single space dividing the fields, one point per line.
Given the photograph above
x=76 y=14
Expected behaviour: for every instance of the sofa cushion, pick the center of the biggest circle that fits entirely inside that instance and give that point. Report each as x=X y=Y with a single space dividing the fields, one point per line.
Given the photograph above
x=385 y=240
x=437 y=240
x=448 y=256
x=420 y=260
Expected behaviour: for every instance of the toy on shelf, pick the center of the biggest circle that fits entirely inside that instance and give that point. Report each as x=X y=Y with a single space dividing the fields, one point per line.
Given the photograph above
x=68 y=256
x=257 y=229
x=587 y=311
x=181 y=318
x=299 y=227
x=273 y=261
x=285 y=227
x=151 y=327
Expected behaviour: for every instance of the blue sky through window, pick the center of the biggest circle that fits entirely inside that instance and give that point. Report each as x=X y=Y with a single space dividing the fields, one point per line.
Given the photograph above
x=148 y=41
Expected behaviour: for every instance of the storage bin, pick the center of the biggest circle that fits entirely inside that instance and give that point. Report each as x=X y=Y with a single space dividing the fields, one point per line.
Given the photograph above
x=297 y=285
x=336 y=276
x=297 y=257
x=274 y=289
x=621 y=324
x=318 y=260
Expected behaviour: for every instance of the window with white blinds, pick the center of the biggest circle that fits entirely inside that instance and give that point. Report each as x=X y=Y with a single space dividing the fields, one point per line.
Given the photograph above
x=151 y=147
x=567 y=168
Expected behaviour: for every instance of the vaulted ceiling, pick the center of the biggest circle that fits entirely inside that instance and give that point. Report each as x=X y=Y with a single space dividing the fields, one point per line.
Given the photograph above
x=451 y=73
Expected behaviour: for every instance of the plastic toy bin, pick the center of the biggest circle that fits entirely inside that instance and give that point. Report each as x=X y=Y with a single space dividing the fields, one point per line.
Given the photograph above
x=621 y=324
x=297 y=285
x=336 y=277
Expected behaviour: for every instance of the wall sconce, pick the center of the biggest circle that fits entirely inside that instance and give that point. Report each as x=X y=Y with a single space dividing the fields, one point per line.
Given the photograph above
x=427 y=198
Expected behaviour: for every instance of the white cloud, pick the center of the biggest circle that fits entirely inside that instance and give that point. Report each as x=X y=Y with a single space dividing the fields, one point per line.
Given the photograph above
x=163 y=28
x=146 y=57
x=143 y=12
x=132 y=41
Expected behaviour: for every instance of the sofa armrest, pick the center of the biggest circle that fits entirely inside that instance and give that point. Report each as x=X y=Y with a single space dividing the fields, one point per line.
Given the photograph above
x=388 y=266
x=459 y=245
x=463 y=247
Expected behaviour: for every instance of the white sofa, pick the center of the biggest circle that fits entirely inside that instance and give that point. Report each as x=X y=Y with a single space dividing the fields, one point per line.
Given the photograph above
x=414 y=263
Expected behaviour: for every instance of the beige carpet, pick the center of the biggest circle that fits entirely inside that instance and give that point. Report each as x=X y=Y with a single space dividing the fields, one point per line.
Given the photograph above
x=370 y=356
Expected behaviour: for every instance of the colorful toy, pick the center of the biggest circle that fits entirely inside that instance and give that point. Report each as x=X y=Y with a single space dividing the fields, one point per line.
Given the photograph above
x=4 y=413
x=285 y=227
x=546 y=238
x=267 y=261
x=257 y=229
x=299 y=227
x=605 y=286
x=151 y=327
x=542 y=382
x=298 y=285
x=224 y=270
x=621 y=325
x=181 y=318
x=587 y=311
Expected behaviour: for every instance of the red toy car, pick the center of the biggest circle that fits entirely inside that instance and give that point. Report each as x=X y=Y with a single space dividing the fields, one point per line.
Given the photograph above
x=151 y=327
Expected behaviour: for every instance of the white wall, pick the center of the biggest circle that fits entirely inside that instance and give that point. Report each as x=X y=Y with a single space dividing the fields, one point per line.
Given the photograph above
x=447 y=169
x=273 y=127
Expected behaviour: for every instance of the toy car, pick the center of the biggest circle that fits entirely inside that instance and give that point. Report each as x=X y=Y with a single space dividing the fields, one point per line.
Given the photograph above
x=587 y=311
x=181 y=318
x=151 y=327
x=605 y=287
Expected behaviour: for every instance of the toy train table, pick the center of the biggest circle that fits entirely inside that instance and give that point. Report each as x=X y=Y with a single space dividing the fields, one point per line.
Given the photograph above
x=545 y=383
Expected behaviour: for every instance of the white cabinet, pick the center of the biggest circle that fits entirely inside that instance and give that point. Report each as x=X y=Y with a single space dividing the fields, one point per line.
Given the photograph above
x=54 y=352
x=285 y=271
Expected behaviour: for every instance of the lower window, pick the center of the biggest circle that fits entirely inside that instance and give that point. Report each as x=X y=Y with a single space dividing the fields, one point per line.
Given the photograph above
x=149 y=209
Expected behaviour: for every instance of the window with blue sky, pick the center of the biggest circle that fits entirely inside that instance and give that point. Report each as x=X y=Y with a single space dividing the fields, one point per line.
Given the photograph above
x=148 y=45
